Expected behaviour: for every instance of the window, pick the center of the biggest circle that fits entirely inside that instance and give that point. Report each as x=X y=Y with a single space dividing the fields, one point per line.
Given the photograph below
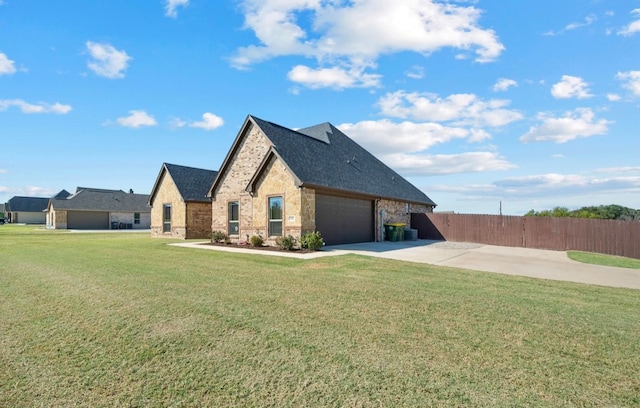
x=275 y=216
x=166 y=218
x=234 y=218
x=136 y=218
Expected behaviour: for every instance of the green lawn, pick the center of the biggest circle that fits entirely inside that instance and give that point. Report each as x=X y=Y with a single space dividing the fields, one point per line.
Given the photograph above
x=602 y=259
x=120 y=319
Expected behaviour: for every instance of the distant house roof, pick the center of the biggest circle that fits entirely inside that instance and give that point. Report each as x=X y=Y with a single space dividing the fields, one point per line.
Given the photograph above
x=323 y=157
x=27 y=204
x=62 y=194
x=95 y=199
x=192 y=183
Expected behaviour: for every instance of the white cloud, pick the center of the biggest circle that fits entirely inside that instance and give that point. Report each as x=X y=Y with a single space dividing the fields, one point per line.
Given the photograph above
x=426 y=165
x=566 y=184
x=332 y=77
x=587 y=21
x=633 y=27
x=357 y=33
x=571 y=87
x=171 y=7
x=136 y=119
x=385 y=137
x=631 y=80
x=579 y=123
x=27 y=107
x=613 y=97
x=416 y=72
x=209 y=122
x=6 y=65
x=460 y=109
x=504 y=84
x=107 y=61
x=402 y=146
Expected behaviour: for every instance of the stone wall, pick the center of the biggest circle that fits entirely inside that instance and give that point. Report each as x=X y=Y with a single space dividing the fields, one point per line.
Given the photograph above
x=58 y=219
x=277 y=180
x=242 y=166
x=390 y=211
x=168 y=194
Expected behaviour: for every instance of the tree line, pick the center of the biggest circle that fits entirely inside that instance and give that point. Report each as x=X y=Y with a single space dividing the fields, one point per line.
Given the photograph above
x=602 y=212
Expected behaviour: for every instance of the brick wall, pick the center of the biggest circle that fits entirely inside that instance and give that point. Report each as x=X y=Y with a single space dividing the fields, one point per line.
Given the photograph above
x=168 y=194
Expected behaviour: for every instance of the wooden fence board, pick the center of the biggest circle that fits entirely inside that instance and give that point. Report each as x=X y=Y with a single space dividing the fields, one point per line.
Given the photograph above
x=602 y=236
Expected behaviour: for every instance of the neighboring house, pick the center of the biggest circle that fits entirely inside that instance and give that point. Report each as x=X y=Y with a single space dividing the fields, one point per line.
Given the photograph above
x=94 y=208
x=179 y=203
x=26 y=210
x=276 y=181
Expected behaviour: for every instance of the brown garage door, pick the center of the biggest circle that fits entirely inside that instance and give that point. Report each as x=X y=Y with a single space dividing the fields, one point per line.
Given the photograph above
x=343 y=220
x=87 y=220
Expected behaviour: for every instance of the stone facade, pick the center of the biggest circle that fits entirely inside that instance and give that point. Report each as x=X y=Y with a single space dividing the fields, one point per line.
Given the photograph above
x=390 y=211
x=57 y=219
x=243 y=165
x=168 y=194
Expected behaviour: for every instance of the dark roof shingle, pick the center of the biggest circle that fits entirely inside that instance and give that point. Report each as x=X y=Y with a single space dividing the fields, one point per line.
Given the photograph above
x=192 y=183
x=95 y=199
x=322 y=156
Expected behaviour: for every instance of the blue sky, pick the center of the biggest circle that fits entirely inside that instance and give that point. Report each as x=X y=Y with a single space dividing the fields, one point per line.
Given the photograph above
x=523 y=104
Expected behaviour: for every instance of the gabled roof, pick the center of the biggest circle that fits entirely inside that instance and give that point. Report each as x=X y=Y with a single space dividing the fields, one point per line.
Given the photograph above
x=27 y=204
x=95 y=199
x=192 y=183
x=62 y=194
x=322 y=157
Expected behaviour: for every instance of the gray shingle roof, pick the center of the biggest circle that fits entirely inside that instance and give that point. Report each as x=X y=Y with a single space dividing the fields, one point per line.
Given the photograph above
x=322 y=156
x=27 y=204
x=95 y=199
x=192 y=183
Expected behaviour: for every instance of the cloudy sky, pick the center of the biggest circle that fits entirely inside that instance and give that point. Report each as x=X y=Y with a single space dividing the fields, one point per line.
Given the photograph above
x=482 y=104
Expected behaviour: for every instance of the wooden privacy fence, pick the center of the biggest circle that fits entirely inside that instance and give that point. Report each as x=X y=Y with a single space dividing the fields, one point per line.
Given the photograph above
x=602 y=236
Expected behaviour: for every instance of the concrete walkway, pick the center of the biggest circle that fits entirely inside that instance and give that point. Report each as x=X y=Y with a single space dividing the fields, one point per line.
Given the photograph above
x=535 y=263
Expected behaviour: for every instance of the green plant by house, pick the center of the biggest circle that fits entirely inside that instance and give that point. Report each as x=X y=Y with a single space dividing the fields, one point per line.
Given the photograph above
x=312 y=241
x=218 y=236
x=256 y=241
x=288 y=242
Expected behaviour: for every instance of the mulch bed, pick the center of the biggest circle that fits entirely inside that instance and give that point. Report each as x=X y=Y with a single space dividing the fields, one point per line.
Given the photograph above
x=260 y=248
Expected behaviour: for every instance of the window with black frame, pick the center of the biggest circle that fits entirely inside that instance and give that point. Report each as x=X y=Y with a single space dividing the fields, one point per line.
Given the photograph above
x=275 y=216
x=166 y=218
x=234 y=218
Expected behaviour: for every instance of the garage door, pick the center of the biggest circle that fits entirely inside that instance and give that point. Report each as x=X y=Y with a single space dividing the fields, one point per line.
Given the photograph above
x=87 y=220
x=343 y=220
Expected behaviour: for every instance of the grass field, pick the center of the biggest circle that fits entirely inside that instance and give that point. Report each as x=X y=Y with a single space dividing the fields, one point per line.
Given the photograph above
x=121 y=319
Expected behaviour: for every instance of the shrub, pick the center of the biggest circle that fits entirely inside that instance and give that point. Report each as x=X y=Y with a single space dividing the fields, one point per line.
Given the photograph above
x=312 y=241
x=256 y=241
x=218 y=236
x=287 y=242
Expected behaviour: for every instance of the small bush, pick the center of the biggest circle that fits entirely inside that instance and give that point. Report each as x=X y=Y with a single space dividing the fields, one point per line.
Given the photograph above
x=287 y=242
x=218 y=236
x=256 y=241
x=312 y=241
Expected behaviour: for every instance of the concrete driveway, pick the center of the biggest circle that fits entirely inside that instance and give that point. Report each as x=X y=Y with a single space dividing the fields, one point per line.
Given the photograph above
x=535 y=263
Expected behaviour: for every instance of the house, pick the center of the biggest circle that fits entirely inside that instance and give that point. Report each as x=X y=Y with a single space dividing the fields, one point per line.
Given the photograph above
x=179 y=203
x=26 y=210
x=276 y=181
x=101 y=209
